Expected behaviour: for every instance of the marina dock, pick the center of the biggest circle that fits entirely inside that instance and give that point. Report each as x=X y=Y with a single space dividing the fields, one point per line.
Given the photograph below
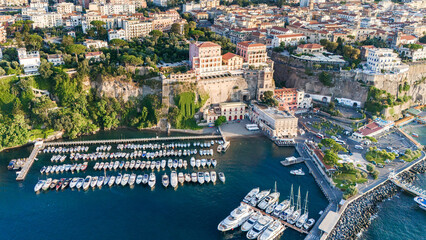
x=409 y=188
x=40 y=145
x=286 y=224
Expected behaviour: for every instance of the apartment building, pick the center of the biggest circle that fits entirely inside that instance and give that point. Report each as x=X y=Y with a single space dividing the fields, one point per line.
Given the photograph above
x=29 y=60
x=3 y=34
x=55 y=59
x=232 y=61
x=13 y=3
x=136 y=28
x=383 y=60
x=111 y=9
x=161 y=3
x=275 y=123
x=89 y=43
x=116 y=34
x=64 y=7
x=253 y=53
x=205 y=57
x=288 y=39
x=46 y=20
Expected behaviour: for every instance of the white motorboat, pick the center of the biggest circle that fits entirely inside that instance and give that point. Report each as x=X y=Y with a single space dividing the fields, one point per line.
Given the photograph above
x=298 y=172
x=96 y=166
x=192 y=162
x=39 y=185
x=173 y=179
x=163 y=164
x=145 y=179
x=73 y=182
x=250 y=222
x=281 y=207
x=100 y=181
x=250 y=195
x=308 y=224
x=222 y=177
x=185 y=164
x=118 y=179
x=152 y=180
x=143 y=164
x=139 y=179
x=132 y=179
x=294 y=217
x=116 y=164
x=138 y=164
x=237 y=217
x=187 y=177
x=259 y=226
x=201 y=177
x=259 y=197
x=198 y=163
x=111 y=181
x=132 y=164
x=203 y=162
x=170 y=163
x=180 y=163
x=86 y=183
x=158 y=165
x=125 y=179
x=194 y=177
x=214 y=162
x=165 y=180
x=273 y=231
x=287 y=213
x=101 y=165
x=270 y=199
x=181 y=178
x=126 y=165
x=271 y=208
x=80 y=183
x=175 y=164
x=207 y=177
x=94 y=181
x=213 y=176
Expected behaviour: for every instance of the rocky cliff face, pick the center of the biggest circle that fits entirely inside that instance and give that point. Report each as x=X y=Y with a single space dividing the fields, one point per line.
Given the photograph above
x=118 y=87
x=344 y=84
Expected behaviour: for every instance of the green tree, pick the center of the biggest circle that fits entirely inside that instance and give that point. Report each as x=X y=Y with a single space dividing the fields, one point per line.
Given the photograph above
x=220 y=120
x=175 y=28
x=330 y=158
x=370 y=167
x=268 y=98
x=117 y=44
x=196 y=34
x=45 y=69
x=67 y=40
x=75 y=49
x=326 y=79
x=33 y=42
x=375 y=174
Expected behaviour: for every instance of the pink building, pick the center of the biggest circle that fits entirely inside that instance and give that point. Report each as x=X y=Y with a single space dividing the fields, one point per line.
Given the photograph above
x=205 y=57
x=253 y=53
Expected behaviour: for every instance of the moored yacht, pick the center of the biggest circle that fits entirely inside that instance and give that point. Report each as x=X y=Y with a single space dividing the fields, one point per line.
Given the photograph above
x=194 y=177
x=94 y=181
x=270 y=199
x=125 y=179
x=111 y=181
x=181 y=178
x=259 y=226
x=280 y=208
x=152 y=180
x=250 y=195
x=39 y=185
x=139 y=179
x=207 y=177
x=165 y=180
x=222 y=177
x=73 y=182
x=201 y=177
x=251 y=221
x=132 y=179
x=255 y=200
x=213 y=176
x=145 y=178
x=192 y=162
x=118 y=179
x=237 y=217
x=308 y=224
x=173 y=179
x=86 y=183
x=273 y=231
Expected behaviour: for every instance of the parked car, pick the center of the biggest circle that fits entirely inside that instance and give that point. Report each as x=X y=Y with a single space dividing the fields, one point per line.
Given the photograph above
x=359 y=147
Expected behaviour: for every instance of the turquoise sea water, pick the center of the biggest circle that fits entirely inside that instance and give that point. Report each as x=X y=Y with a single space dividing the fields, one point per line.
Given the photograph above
x=190 y=212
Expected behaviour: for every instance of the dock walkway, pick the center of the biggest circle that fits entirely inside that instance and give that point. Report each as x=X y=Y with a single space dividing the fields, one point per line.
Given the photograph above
x=275 y=218
x=132 y=140
x=23 y=173
x=408 y=188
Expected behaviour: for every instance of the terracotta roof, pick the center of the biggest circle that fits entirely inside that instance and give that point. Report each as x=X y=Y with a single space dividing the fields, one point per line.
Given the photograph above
x=408 y=37
x=250 y=44
x=310 y=46
x=208 y=44
x=290 y=35
x=91 y=54
x=229 y=55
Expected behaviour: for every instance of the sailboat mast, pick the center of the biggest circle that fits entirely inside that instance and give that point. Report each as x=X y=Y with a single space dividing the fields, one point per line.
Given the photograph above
x=291 y=196
x=305 y=211
x=298 y=207
x=275 y=186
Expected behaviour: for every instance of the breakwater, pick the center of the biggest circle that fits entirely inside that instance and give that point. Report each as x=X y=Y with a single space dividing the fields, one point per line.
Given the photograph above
x=356 y=217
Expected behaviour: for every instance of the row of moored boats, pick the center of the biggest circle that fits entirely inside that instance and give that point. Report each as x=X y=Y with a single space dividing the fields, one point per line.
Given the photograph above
x=65 y=149
x=76 y=167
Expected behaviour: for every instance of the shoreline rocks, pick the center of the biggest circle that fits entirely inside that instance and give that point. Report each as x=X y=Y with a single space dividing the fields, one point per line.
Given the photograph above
x=358 y=213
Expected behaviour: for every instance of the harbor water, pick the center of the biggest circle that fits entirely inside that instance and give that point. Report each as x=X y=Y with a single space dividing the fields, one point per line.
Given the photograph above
x=192 y=211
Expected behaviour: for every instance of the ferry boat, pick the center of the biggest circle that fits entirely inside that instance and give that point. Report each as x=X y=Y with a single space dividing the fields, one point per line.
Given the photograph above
x=237 y=217
x=298 y=172
x=421 y=202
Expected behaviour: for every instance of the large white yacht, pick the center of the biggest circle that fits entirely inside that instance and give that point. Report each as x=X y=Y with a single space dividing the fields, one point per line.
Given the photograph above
x=270 y=199
x=250 y=195
x=259 y=226
x=173 y=179
x=272 y=232
x=237 y=217
x=280 y=208
x=250 y=222
x=254 y=201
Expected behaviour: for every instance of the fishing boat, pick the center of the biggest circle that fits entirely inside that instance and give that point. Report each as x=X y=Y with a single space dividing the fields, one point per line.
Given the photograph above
x=39 y=185
x=207 y=177
x=268 y=200
x=145 y=179
x=165 y=180
x=273 y=231
x=86 y=183
x=237 y=217
x=181 y=178
x=94 y=181
x=259 y=197
x=250 y=195
x=152 y=180
x=132 y=179
x=259 y=226
x=111 y=181
x=308 y=224
x=302 y=220
x=100 y=182
x=421 y=201
x=139 y=179
x=118 y=179
x=173 y=179
x=213 y=176
x=297 y=172
x=194 y=177
x=250 y=222
x=222 y=177
x=201 y=177
x=125 y=179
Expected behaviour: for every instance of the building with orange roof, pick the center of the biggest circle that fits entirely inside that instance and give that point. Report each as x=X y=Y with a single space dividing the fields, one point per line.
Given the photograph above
x=205 y=57
x=252 y=52
x=288 y=39
x=233 y=61
x=310 y=48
